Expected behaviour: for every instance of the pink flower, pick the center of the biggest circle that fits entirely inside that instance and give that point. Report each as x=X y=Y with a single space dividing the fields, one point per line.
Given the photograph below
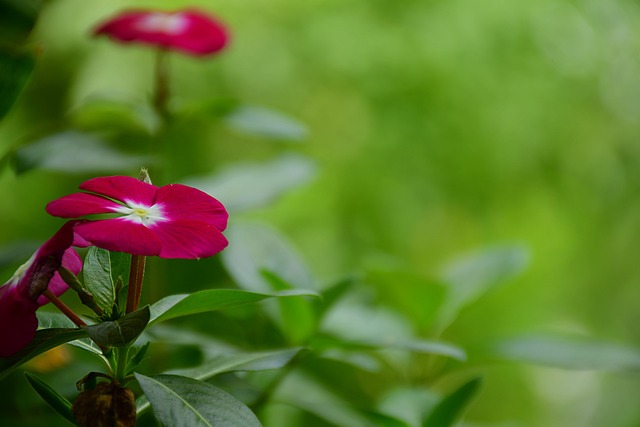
x=173 y=221
x=189 y=31
x=22 y=295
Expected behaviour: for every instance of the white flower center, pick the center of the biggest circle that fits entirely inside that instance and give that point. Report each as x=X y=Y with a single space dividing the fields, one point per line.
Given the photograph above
x=166 y=23
x=140 y=214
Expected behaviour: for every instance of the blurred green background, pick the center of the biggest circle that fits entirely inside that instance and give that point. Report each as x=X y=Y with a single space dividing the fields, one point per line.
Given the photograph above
x=437 y=128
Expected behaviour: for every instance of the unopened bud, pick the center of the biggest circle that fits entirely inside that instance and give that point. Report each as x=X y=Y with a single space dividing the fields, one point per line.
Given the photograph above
x=106 y=405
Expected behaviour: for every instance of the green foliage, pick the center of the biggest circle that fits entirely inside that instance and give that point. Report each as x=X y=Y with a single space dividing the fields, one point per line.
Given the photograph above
x=74 y=152
x=59 y=403
x=262 y=122
x=180 y=401
x=98 y=279
x=45 y=340
x=450 y=408
x=120 y=332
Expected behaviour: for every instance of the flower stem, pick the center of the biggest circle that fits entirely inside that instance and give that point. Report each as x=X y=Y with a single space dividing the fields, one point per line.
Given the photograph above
x=136 y=275
x=122 y=354
x=161 y=89
x=64 y=308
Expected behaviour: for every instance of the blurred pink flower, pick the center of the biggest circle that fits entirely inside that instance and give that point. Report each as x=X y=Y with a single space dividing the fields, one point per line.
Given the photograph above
x=22 y=295
x=189 y=31
x=173 y=221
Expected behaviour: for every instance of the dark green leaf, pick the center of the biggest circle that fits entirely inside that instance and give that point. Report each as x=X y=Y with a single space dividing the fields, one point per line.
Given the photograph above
x=120 y=264
x=137 y=357
x=59 y=403
x=15 y=69
x=262 y=122
x=17 y=19
x=185 y=402
x=45 y=339
x=211 y=300
x=255 y=248
x=97 y=278
x=120 y=332
x=451 y=408
x=75 y=152
x=332 y=294
x=569 y=353
x=253 y=185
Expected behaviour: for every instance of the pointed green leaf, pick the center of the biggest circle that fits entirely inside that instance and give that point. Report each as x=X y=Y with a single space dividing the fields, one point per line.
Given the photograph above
x=97 y=278
x=185 y=402
x=45 y=339
x=74 y=152
x=253 y=185
x=569 y=353
x=119 y=333
x=451 y=408
x=59 y=403
x=224 y=363
x=137 y=357
x=413 y=345
x=211 y=300
x=259 y=121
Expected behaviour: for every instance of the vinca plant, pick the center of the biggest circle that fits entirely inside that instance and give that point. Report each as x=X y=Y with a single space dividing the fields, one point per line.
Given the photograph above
x=166 y=296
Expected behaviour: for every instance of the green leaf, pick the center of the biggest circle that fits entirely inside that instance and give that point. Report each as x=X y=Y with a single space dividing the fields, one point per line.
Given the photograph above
x=59 y=403
x=15 y=70
x=297 y=317
x=17 y=19
x=473 y=275
x=262 y=122
x=413 y=345
x=112 y=114
x=211 y=300
x=569 y=353
x=120 y=332
x=45 y=339
x=120 y=265
x=252 y=185
x=255 y=248
x=332 y=295
x=185 y=402
x=75 y=152
x=259 y=361
x=137 y=357
x=97 y=278
x=450 y=409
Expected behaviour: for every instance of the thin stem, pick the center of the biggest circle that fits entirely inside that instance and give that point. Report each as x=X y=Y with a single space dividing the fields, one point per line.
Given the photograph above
x=161 y=90
x=122 y=354
x=64 y=308
x=136 y=275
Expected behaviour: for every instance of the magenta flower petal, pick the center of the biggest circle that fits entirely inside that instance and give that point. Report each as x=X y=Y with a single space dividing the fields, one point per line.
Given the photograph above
x=190 y=239
x=189 y=31
x=122 y=188
x=182 y=202
x=173 y=221
x=18 y=321
x=21 y=296
x=80 y=204
x=120 y=235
